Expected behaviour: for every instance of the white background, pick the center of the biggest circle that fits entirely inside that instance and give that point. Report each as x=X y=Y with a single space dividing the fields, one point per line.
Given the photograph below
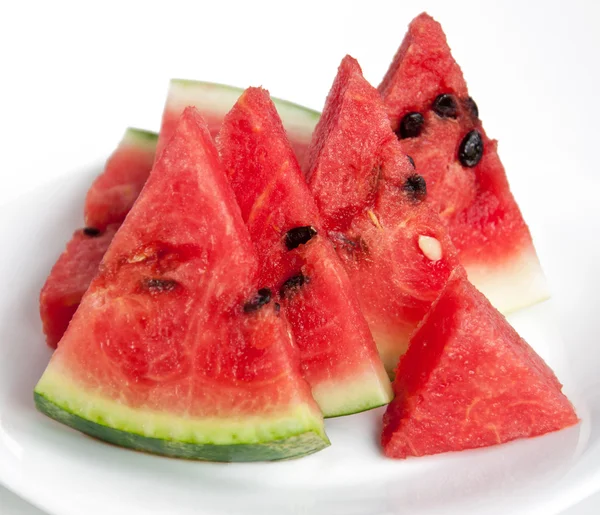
x=74 y=75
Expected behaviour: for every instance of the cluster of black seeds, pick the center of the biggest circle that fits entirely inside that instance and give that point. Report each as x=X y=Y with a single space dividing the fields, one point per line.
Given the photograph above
x=445 y=106
x=262 y=297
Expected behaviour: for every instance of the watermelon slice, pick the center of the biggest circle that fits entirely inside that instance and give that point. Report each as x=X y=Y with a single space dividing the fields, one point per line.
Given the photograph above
x=107 y=203
x=69 y=279
x=395 y=248
x=169 y=351
x=114 y=191
x=214 y=101
x=338 y=354
x=468 y=380
x=439 y=127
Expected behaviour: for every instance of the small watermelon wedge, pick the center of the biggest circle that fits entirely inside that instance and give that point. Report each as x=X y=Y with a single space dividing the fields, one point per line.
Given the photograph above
x=395 y=248
x=439 y=127
x=163 y=355
x=469 y=380
x=338 y=354
x=214 y=101
x=113 y=193
x=69 y=279
x=108 y=201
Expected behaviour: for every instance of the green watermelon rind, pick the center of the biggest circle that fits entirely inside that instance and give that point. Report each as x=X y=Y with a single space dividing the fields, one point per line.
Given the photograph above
x=212 y=97
x=139 y=137
x=295 y=434
x=362 y=392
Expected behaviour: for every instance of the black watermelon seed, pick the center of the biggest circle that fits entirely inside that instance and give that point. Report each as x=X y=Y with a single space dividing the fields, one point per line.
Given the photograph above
x=92 y=231
x=262 y=297
x=292 y=284
x=445 y=106
x=411 y=161
x=471 y=149
x=277 y=307
x=416 y=187
x=159 y=285
x=411 y=126
x=298 y=236
x=472 y=107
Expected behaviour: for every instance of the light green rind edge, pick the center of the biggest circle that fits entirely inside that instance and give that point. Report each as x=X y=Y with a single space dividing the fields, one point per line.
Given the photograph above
x=363 y=392
x=296 y=433
x=139 y=138
x=287 y=448
x=289 y=111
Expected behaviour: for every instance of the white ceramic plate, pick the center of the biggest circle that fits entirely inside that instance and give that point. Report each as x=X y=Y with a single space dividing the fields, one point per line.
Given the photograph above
x=67 y=473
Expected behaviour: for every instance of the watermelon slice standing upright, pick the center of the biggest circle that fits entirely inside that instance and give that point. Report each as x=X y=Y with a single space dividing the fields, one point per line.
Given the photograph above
x=108 y=201
x=338 y=354
x=214 y=101
x=163 y=354
x=395 y=248
x=439 y=127
x=469 y=380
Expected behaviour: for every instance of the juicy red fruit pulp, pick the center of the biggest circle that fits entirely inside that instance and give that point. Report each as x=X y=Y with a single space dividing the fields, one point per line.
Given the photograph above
x=469 y=380
x=395 y=249
x=69 y=279
x=298 y=263
x=438 y=125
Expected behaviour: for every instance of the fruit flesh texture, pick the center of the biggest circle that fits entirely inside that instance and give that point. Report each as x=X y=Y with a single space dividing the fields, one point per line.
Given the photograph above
x=69 y=279
x=338 y=355
x=358 y=175
x=483 y=218
x=214 y=101
x=469 y=380
x=113 y=193
x=160 y=356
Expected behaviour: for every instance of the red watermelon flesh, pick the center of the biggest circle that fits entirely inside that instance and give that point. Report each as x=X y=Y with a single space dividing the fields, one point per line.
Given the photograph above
x=162 y=354
x=395 y=248
x=338 y=354
x=115 y=190
x=69 y=279
x=472 y=191
x=469 y=380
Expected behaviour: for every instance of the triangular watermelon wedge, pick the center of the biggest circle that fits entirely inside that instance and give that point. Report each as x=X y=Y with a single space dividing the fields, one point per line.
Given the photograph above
x=469 y=380
x=162 y=354
x=395 y=248
x=108 y=201
x=298 y=262
x=115 y=190
x=439 y=127
x=69 y=279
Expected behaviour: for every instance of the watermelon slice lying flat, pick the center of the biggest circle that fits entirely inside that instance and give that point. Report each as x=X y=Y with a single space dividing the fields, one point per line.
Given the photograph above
x=338 y=354
x=468 y=380
x=395 y=248
x=163 y=354
x=439 y=127
x=107 y=203
x=214 y=101
x=69 y=279
x=113 y=193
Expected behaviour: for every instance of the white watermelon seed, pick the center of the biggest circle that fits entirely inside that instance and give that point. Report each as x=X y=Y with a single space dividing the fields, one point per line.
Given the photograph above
x=431 y=247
